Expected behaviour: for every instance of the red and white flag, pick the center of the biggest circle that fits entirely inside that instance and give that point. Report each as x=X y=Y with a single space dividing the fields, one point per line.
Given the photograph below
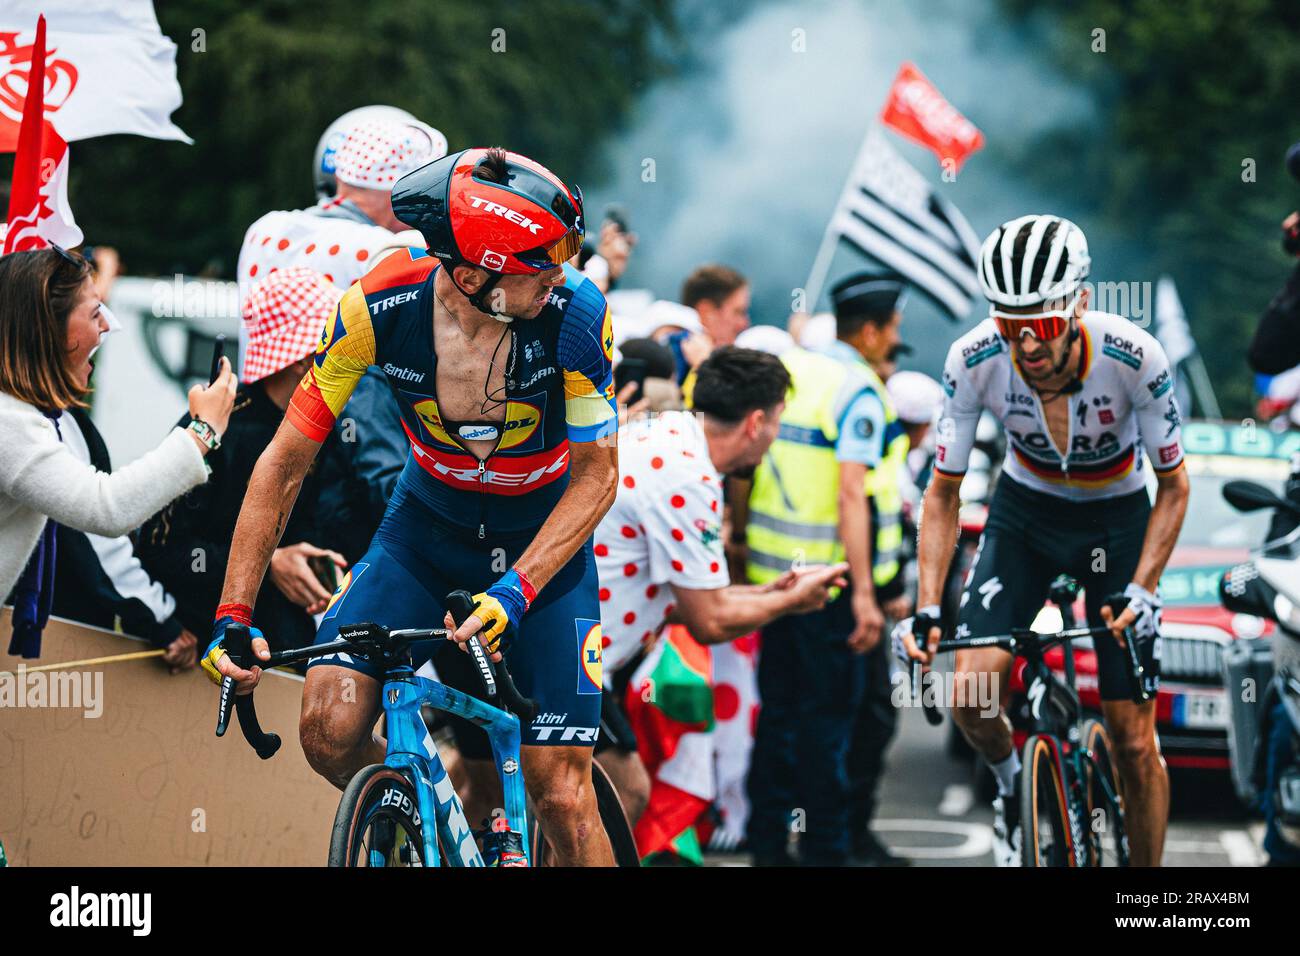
x=38 y=201
x=919 y=112
x=109 y=69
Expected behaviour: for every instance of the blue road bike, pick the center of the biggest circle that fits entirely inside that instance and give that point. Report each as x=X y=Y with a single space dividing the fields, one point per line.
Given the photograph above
x=405 y=811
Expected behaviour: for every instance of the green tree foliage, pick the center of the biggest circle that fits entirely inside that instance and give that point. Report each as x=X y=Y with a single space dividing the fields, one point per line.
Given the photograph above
x=272 y=75
x=1189 y=90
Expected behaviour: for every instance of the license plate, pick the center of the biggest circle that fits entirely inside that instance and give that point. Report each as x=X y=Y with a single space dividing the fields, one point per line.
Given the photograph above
x=1201 y=711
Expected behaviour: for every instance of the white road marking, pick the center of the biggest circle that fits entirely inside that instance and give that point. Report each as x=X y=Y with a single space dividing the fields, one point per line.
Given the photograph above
x=1241 y=849
x=957 y=800
x=977 y=838
x=1200 y=848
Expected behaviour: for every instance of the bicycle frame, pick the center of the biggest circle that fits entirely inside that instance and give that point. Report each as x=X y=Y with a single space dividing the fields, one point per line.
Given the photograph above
x=1041 y=686
x=411 y=750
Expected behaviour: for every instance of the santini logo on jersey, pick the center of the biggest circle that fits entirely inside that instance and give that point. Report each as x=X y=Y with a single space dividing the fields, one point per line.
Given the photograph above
x=1122 y=349
x=404 y=374
x=505 y=212
x=389 y=301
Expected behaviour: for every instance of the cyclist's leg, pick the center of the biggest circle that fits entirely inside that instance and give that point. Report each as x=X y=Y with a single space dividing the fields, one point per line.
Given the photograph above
x=555 y=660
x=341 y=696
x=1132 y=727
x=1007 y=586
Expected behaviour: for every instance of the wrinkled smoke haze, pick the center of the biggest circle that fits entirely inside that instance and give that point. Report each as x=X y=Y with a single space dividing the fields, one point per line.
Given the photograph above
x=751 y=145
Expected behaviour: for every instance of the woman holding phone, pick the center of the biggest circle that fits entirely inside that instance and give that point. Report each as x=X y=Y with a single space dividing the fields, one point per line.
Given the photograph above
x=51 y=322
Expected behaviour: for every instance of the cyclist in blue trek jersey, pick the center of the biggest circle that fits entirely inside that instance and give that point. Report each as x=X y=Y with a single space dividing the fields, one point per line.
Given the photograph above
x=498 y=354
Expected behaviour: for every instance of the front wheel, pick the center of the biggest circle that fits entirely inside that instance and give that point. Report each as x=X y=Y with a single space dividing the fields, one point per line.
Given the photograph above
x=612 y=817
x=1044 y=820
x=378 y=821
x=1107 y=838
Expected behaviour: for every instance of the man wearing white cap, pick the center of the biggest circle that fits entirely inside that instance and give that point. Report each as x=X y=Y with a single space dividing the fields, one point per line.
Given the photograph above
x=283 y=316
x=357 y=161
x=339 y=236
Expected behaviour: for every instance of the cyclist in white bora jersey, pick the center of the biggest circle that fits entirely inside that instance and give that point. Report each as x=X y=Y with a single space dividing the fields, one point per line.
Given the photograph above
x=1081 y=395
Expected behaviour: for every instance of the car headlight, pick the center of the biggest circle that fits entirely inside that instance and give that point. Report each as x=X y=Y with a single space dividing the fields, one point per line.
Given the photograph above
x=1247 y=625
x=1287 y=613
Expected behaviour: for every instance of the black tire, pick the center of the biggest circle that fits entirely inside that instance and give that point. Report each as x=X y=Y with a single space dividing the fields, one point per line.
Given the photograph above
x=1044 y=823
x=612 y=817
x=378 y=821
x=1104 y=823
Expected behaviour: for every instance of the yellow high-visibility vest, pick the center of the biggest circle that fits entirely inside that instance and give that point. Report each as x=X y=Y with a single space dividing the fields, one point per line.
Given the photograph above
x=794 y=502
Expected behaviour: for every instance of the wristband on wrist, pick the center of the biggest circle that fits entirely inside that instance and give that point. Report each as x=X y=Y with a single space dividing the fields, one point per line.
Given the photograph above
x=239 y=613
x=205 y=433
x=526 y=587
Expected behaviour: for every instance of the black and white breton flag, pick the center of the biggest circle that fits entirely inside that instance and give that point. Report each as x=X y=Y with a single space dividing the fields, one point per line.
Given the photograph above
x=891 y=214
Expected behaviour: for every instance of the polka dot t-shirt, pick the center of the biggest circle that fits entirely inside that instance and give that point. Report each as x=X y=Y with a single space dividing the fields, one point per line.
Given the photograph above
x=664 y=528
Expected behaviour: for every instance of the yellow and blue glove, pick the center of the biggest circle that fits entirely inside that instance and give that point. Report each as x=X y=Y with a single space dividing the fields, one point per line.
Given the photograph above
x=502 y=607
x=227 y=614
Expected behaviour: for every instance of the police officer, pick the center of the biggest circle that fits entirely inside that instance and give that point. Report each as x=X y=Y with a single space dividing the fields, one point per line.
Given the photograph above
x=807 y=506
x=868 y=315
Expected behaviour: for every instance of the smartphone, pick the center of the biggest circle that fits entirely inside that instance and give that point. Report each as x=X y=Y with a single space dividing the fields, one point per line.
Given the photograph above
x=631 y=370
x=326 y=571
x=218 y=349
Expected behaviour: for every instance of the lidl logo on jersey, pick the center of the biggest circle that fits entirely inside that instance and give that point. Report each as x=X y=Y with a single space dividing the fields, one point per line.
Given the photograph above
x=590 y=673
x=607 y=335
x=1122 y=350
x=336 y=601
x=521 y=422
x=427 y=411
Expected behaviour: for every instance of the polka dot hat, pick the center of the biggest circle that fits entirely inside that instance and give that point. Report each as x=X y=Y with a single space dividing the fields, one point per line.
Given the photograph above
x=377 y=153
x=284 y=315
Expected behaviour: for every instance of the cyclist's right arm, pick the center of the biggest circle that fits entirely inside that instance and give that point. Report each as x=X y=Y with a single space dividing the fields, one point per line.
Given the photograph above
x=346 y=349
x=942 y=501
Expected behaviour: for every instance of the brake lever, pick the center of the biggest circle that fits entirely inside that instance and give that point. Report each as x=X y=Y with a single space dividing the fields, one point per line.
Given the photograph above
x=239 y=648
x=461 y=605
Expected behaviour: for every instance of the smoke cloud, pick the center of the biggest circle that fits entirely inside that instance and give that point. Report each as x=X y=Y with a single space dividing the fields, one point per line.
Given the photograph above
x=741 y=159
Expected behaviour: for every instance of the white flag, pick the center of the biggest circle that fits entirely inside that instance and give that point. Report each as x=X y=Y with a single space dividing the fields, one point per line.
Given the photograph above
x=109 y=69
x=890 y=213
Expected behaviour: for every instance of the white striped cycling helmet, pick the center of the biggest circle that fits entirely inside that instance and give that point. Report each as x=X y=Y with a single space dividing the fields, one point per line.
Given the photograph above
x=1033 y=259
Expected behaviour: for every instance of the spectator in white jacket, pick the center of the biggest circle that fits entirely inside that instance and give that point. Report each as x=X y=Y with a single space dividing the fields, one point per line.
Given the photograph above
x=51 y=321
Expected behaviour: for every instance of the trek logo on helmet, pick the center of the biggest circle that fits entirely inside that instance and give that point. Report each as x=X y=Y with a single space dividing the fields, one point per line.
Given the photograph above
x=505 y=212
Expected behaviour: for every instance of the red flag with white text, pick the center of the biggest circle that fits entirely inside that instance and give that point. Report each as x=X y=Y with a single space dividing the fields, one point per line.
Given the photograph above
x=38 y=200
x=919 y=112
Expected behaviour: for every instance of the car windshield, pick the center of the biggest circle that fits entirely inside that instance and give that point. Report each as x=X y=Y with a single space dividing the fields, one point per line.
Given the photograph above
x=1213 y=523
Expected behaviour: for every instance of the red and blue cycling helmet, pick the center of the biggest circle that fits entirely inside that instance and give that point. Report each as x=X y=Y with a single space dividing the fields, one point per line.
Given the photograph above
x=493 y=209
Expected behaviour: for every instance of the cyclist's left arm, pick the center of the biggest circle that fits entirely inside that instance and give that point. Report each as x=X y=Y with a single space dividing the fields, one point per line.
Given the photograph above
x=585 y=355
x=1160 y=426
